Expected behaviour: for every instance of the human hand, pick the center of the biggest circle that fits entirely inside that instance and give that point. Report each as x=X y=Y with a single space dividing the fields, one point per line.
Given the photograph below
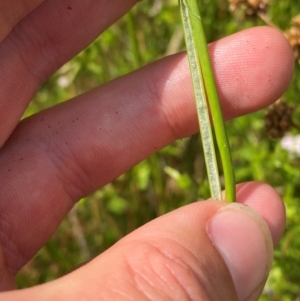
x=48 y=162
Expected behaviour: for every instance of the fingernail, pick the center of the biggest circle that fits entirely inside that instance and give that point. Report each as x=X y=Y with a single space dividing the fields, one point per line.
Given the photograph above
x=244 y=241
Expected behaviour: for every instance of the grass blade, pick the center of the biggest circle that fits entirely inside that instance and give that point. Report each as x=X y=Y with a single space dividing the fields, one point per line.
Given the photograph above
x=205 y=88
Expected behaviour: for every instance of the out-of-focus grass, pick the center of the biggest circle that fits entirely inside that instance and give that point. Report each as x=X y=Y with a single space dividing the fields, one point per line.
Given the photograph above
x=174 y=176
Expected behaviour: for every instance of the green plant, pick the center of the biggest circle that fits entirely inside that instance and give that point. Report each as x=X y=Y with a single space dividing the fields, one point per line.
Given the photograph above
x=206 y=92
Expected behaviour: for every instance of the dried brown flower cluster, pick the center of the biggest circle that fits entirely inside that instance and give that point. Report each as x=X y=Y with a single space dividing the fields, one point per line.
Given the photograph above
x=293 y=36
x=278 y=119
x=251 y=8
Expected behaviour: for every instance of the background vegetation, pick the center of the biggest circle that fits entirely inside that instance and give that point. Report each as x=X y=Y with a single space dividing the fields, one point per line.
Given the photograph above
x=174 y=176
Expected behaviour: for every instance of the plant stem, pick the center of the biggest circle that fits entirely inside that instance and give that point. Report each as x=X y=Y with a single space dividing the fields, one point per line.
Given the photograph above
x=205 y=88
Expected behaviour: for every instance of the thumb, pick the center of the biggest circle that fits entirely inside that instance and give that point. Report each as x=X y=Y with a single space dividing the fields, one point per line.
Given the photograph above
x=204 y=251
x=245 y=244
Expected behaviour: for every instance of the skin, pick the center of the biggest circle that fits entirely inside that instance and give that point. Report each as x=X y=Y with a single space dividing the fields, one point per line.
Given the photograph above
x=162 y=260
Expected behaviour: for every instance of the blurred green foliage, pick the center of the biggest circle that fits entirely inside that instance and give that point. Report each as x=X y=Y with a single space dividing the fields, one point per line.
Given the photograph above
x=175 y=175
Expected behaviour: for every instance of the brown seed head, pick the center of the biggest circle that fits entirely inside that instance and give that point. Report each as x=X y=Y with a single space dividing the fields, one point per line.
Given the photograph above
x=293 y=36
x=250 y=8
x=278 y=119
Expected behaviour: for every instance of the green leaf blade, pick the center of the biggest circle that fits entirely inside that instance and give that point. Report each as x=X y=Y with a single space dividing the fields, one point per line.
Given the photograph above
x=205 y=88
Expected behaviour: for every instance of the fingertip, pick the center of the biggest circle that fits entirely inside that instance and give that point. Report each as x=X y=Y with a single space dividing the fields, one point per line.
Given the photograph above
x=267 y=202
x=253 y=68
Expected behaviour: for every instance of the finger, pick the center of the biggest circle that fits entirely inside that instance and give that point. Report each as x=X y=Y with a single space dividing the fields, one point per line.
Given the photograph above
x=11 y=12
x=44 y=41
x=204 y=251
x=272 y=212
x=70 y=150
